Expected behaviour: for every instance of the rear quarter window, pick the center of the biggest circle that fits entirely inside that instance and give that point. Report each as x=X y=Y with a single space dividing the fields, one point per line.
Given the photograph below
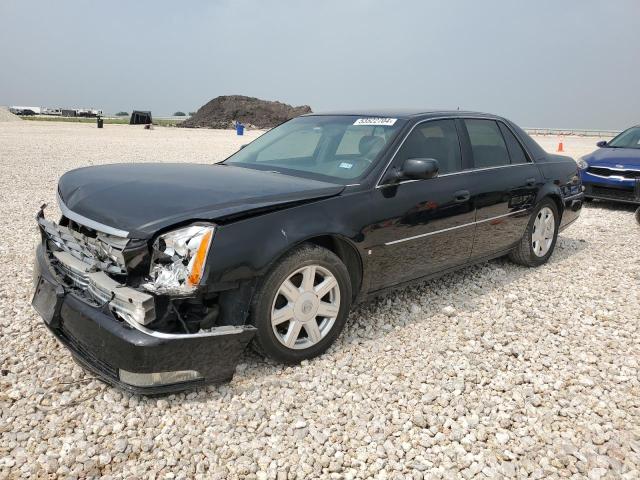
x=516 y=152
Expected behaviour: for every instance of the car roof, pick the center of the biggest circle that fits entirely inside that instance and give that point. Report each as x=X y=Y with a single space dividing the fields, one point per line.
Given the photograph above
x=404 y=113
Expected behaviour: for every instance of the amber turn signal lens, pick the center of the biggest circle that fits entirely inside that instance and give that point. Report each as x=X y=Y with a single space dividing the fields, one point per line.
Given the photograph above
x=198 y=262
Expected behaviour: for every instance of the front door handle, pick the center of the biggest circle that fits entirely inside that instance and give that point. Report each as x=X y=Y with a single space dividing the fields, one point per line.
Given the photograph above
x=462 y=195
x=530 y=181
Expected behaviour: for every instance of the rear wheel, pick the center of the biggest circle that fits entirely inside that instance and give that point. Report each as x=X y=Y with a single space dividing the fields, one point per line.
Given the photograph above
x=539 y=239
x=301 y=305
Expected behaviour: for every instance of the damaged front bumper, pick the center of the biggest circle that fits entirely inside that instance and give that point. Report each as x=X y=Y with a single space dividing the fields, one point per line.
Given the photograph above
x=123 y=352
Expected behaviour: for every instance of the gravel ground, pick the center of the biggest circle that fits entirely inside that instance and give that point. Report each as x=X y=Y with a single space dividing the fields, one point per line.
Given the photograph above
x=495 y=371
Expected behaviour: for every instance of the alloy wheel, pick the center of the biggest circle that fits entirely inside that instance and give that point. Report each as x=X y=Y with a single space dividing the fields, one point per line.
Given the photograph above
x=544 y=227
x=305 y=307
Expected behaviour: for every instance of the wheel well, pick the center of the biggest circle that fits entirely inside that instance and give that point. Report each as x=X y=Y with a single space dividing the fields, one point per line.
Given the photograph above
x=558 y=203
x=347 y=253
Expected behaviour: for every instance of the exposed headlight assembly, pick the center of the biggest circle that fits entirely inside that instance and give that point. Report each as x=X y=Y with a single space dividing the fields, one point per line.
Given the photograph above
x=178 y=260
x=582 y=163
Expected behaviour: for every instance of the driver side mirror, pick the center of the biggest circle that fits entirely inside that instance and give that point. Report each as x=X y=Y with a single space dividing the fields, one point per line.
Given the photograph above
x=601 y=143
x=419 y=169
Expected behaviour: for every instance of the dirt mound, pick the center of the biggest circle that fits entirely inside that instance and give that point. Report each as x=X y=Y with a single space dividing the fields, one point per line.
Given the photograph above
x=221 y=112
x=7 y=116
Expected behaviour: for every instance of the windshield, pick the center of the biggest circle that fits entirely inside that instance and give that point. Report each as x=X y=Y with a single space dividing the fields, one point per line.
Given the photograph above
x=628 y=139
x=327 y=147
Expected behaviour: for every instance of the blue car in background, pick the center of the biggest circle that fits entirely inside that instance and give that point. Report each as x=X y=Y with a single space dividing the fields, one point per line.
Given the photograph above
x=613 y=171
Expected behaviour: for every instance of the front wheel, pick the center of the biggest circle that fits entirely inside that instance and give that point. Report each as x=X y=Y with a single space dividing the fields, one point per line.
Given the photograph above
x=301 y=305
x=539 y=239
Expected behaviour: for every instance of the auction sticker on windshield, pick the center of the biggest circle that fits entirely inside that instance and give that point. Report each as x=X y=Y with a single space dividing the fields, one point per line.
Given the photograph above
x=375 y=121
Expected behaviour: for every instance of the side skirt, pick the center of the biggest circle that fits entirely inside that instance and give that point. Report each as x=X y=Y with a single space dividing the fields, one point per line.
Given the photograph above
x=371 y=295
x=562 y=227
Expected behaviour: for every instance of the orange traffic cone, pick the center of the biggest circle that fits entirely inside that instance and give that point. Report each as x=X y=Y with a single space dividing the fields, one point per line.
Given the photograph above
x=560 y=146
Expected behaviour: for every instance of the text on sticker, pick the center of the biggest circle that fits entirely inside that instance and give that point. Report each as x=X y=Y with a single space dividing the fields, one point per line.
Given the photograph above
x=375 y=121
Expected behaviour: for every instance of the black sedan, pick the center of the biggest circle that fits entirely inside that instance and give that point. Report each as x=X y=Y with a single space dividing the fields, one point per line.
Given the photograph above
x=158 y=276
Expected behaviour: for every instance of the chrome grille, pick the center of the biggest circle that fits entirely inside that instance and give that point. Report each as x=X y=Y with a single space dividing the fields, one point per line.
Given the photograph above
x=102 y=289
x=86 y=263
x=78 y=279
x=103 y=252
x=614 y=172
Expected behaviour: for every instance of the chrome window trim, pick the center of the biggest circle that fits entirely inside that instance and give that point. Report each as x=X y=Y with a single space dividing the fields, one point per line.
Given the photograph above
x=87 y=222
x=402 y=182
x=452 y=228
x=468 y=170
x=501 y=166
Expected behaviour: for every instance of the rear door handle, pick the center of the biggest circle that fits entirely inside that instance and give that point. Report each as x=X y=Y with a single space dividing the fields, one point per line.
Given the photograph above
x=462 y=195
x=530 y=181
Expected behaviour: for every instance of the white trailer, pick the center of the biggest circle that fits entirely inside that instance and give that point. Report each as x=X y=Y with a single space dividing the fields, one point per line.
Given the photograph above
x=52 y=111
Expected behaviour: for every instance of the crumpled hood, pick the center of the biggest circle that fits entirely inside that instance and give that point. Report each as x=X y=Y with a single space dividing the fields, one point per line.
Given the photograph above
x=613 y=157
x=146 y=197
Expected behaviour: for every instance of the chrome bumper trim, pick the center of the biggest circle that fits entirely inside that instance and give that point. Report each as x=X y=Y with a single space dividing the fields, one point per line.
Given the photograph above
x=213 y=332
x=571 y=197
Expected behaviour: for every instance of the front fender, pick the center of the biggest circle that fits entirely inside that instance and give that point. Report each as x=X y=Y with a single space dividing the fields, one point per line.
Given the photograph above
x=247 y=248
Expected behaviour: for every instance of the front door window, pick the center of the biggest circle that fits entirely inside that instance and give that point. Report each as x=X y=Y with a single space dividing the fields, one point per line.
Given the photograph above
x=437 y=139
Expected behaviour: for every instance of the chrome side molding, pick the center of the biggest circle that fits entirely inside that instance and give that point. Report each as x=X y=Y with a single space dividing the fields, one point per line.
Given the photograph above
x=470 y=224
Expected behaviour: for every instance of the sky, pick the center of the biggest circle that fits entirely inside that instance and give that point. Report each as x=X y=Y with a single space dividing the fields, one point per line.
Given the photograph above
x=544 y=63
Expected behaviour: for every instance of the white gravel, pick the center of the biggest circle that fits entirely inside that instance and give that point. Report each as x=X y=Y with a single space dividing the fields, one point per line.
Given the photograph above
x=495 y=371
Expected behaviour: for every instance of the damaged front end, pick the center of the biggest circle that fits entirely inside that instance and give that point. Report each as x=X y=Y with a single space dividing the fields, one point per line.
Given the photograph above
x=105 y=298
x=85 y=264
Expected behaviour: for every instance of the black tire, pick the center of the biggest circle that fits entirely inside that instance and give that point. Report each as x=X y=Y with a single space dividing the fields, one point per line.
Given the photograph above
x=588 y=199
x=266 y=342
x=638 y=215
x=523 y=253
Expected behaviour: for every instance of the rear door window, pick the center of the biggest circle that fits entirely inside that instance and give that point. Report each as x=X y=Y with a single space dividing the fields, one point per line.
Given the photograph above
x=487 y=144
x=515 y=149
